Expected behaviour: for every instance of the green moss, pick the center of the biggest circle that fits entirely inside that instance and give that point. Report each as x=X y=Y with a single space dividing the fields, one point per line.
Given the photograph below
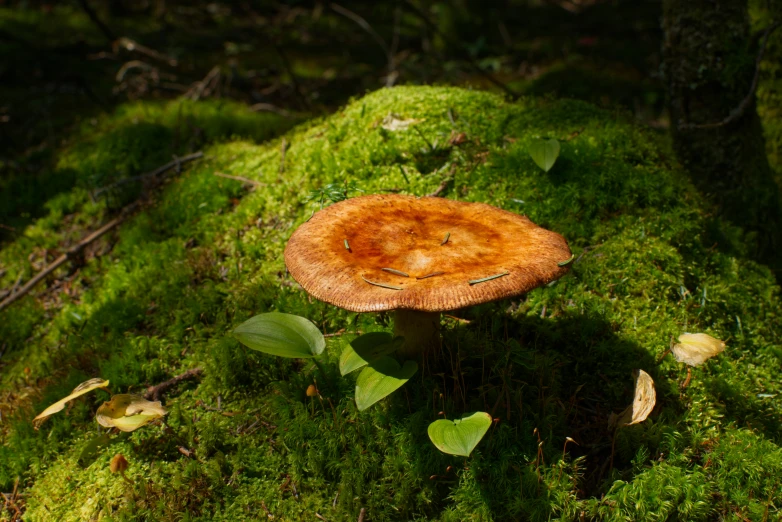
x=651 y=264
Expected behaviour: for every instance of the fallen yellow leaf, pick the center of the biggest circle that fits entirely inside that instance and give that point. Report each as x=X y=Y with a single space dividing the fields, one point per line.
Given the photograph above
x=81 y=389
x=695 y=349
x=128 y=412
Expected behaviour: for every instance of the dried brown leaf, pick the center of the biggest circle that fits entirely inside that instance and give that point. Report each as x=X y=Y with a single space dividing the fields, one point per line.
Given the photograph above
x=643 y=403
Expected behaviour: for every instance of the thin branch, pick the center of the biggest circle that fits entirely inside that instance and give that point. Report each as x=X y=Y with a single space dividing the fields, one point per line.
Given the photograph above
x=440 y=188
x=361 y=22
x=132 y=45
x=70 y=254
x=154 y=392
x=480 y=70
x=177 y=162
x=97 y=21
x=742 y=107
x=268 y=107
x=76 y=250
x=133 y=64
x=241 y=178
x=200 y=87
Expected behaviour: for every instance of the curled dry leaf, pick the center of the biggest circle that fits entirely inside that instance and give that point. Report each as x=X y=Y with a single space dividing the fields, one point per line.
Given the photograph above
x=81 y=389
x=394 y=122
x=128 y=412
x=643 y=403
x=695 y=349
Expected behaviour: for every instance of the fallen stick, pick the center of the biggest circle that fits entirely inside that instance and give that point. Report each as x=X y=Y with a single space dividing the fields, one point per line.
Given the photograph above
x=154 y=392
x=70 y=254
x=176 y=162
x=440 y=189
x=268 y=107
x=76 y=250
x=240 y=178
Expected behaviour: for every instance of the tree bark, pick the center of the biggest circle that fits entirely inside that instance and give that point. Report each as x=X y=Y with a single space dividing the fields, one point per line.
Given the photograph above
x=710 y=62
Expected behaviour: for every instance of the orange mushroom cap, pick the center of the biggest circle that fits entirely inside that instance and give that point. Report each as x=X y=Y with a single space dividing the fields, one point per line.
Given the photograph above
x=339 y=255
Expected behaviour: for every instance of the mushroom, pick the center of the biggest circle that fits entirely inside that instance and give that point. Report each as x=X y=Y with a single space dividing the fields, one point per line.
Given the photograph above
x=420 y=257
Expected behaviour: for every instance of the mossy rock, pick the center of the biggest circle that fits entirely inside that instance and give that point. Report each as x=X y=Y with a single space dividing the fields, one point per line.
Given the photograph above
x=651 y=262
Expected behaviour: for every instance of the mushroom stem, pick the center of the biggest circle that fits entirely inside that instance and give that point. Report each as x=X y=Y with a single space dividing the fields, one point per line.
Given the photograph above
x=421 y=331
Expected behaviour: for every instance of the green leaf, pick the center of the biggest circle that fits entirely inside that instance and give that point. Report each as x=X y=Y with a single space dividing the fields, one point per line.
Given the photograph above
x=91 y=450
x=544 y=152
x=366 y=348
x=460 y=436
x=380 y=379
x=284 y=335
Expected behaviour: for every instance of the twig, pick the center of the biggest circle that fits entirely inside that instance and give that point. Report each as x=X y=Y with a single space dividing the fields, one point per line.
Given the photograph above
x=16 y=284
x=266 y=510
x=440 y=188
x=76 y=250
x=342 y=331
x=201 y=86
x=97 y=21
x=362 y=514
x=154 y=392
x=174 y=163
x=283 y=151
x=379 y=39
x=742 y=107
x=133 y=64
x=70 y=254
x=240 y=178
x=363 y=24
x=420 y=14
x=268 y=107
x=9 y=502
x=132 y=45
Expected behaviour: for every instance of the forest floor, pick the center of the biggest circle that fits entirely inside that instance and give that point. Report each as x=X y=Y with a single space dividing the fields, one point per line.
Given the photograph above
x=200 y=250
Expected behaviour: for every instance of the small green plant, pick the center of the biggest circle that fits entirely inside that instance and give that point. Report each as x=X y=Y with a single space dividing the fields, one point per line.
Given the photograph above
x=288 y=335
x=333 y=192
x=459 y=436
x=283 y=335
x=366 y=348
x=544 y=152
x=381 y=378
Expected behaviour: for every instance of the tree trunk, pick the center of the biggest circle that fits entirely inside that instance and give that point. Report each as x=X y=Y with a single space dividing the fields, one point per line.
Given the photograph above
x=709 y=67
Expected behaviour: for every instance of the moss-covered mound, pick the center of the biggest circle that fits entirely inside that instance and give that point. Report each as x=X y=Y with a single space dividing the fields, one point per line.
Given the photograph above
x=245 y=442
